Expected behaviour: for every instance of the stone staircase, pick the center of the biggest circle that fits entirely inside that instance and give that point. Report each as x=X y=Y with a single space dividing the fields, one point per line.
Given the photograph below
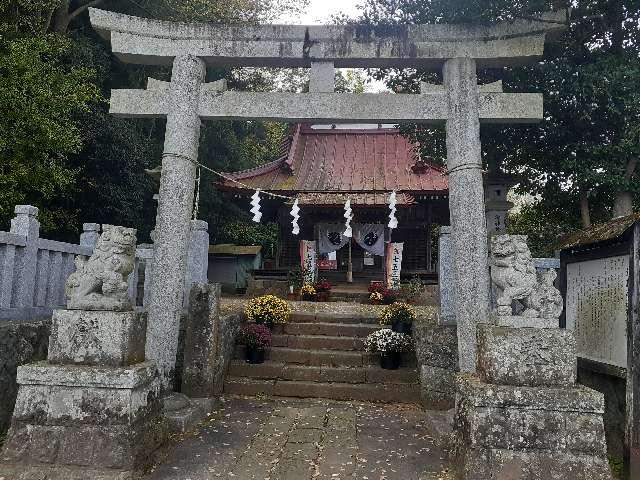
x=322 y=355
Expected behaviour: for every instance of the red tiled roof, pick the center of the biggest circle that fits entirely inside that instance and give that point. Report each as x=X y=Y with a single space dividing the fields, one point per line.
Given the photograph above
x=332 y=161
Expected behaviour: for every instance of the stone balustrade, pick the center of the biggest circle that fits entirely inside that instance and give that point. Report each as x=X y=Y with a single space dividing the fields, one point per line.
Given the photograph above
x=34 y=270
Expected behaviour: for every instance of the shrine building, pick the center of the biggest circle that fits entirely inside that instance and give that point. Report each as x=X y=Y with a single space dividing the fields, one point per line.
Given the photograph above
x=323 y=166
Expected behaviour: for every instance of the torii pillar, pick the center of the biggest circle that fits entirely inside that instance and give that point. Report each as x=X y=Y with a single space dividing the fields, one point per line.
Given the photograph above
x=466 y=205
x=177 y=182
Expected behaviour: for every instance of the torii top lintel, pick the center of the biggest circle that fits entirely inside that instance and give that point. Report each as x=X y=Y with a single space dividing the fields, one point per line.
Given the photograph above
x=152 y=42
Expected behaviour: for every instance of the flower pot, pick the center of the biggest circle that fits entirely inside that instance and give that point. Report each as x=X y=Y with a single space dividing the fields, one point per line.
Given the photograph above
x=254 y=355
x=390 y=360
x=401 y=327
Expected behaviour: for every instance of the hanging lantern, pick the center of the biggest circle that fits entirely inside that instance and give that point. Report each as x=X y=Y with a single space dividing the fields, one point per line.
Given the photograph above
x=255 y=206
x=393 y=221
x=295 y=210
x=348 y=215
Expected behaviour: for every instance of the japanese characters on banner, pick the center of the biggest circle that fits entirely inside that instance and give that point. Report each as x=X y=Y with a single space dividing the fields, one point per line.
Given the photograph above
x=393 y=263
x=308 y=260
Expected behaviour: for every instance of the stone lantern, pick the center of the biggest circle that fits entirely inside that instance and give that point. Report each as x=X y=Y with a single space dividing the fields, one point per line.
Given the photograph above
x=496 y=187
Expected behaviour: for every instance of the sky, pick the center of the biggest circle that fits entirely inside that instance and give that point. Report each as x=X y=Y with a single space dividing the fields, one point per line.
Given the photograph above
x=319 y=12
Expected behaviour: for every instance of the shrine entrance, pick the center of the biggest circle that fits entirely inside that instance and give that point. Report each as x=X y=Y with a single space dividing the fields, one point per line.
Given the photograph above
x=457 y=51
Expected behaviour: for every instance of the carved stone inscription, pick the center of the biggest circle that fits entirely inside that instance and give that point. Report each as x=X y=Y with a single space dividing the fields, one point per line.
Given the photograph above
x=597 y=299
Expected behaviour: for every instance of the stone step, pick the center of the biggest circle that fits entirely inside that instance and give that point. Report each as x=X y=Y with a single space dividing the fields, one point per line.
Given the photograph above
x=320 y=357
x=283 y=371
x=317 y=342
x=307 y=317
x=359 y=330
x=376 y=392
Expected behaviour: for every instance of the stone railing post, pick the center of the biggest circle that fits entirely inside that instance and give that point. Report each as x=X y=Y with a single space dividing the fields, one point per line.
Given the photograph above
x=90 y=235
x=197 y=257
x=177 y=186
x=445 y=278
x=26 y=223
x=466 y=205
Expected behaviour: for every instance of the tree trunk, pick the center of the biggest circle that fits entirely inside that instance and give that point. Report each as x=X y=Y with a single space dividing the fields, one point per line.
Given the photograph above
x=62 y=16
x=584 y=209
x=61 y=19
x=623 y=203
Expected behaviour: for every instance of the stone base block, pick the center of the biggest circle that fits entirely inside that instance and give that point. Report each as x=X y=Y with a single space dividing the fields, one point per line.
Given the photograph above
x=183 y=413
x=76 y=416
x=437 y=387
x=501 y=464
x=97 y=338
x=518 y=433
x=526 y=356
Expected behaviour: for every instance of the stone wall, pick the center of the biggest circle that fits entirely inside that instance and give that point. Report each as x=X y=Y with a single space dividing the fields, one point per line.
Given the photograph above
x=207 y=341
x=20 y=343
x=436 y=348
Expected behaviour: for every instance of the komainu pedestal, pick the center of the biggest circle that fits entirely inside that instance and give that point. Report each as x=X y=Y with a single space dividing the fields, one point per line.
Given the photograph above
x=92 y=410
x=523 y=417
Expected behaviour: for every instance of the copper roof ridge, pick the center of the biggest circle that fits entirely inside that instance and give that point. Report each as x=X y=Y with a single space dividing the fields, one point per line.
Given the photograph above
x=370 y=131
x=259 y=170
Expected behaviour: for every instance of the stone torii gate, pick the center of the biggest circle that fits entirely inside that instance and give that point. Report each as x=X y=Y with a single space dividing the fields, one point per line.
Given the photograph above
x=456 y=50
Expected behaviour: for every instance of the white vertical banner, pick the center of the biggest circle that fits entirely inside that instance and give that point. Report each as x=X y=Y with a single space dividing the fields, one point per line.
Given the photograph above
x=393 y=264
x=308 y=260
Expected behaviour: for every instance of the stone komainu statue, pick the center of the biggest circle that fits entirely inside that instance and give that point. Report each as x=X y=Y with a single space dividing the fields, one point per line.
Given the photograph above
x=100 y=283
x=513 y=273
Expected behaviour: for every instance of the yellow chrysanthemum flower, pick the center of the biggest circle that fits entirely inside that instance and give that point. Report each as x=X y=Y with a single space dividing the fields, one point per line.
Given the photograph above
x=268 y=309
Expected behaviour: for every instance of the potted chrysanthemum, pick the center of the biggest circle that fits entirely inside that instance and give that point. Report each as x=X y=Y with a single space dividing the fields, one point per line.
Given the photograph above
x=381 y=295
x=268 y=310
x=390 y=345
x=399 y=315
x=308 y=292
x=323 y=290
x=257 y=340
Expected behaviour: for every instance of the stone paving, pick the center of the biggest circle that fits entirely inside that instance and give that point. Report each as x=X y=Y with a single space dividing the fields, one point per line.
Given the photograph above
x=284 y=439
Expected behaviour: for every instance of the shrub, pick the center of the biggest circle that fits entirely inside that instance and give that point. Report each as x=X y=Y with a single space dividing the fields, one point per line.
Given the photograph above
x=296 y=278
x=268 y=309
x=397 y=312
x=256 y=336
x=412 y=290
x=386 y=340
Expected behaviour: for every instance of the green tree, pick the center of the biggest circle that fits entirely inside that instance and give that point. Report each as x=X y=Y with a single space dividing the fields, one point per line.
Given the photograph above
x=588 y=144
x=40 y=97
x=62 y=13
x=90 y=165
